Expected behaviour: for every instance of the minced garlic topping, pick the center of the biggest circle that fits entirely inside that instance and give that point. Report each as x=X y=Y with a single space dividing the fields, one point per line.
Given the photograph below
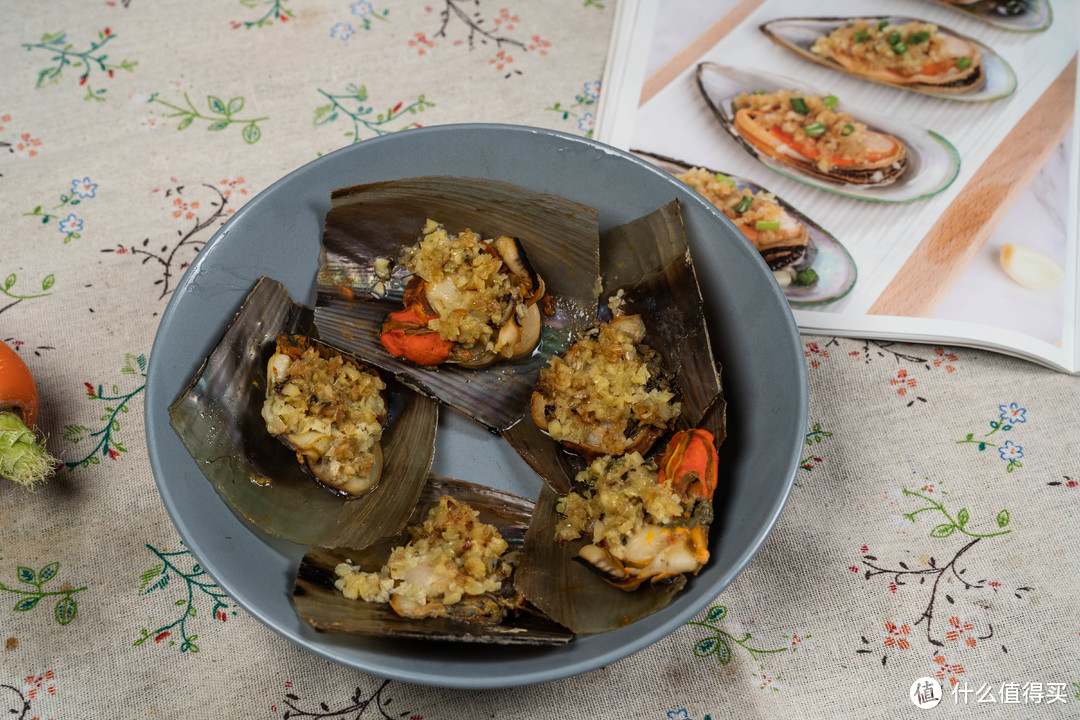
x=621 y=496
x=604 y=388
x=467 y=286
x=872 y=47
x=451 y=555
x=328 y=408
x=775 y=110
x=724 y=195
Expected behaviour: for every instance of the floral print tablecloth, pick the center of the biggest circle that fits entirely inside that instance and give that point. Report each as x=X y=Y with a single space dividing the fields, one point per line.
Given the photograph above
x=931 y=534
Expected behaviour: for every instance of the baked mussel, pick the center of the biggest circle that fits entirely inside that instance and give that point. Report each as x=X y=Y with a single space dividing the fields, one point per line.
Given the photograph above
x=902 y=52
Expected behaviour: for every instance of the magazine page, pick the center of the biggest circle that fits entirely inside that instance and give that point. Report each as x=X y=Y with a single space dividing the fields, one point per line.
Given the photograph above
x=927 y=265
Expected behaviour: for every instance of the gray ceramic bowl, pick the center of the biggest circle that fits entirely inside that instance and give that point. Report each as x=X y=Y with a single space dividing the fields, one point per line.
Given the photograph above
x=278 y=234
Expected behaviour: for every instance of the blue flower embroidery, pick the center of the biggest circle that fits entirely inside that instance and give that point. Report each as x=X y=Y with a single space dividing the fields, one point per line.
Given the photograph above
x=1010 y=451
x=679 y=714
x=592 y=89
x=83 y=188
x=71 y=224
x=363 y=8
x=586 y=122
x=1013 y=413
x=342 y=31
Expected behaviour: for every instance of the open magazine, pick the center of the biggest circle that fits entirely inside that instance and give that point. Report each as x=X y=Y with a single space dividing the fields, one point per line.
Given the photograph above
x=945 y=240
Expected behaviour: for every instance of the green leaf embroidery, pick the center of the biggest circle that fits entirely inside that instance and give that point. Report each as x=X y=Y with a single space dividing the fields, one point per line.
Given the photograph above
x=65 y=610
x=26 y=575
x=48 y=282
x=962 y=518
x=216 y=105
x=723 y=651
x=235 y=105
x=717 y=612
x=48 y=572
x=219 y=125
x=1003 y=518
x=943 y=531
x=251 y=134
x=186 y=122
x=27 y=603
x=148 y=576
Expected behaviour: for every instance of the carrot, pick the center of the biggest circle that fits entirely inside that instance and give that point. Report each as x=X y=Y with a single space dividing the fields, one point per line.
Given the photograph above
x=22 y=458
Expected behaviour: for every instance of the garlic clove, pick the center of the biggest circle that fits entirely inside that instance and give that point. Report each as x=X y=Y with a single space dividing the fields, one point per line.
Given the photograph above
x=1031 y=268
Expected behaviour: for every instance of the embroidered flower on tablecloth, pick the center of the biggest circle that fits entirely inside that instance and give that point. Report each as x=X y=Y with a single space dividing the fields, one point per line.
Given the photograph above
x=587 y=122
x=184 y=209
x=592 y=89
x=1013 y=413
x=897 y=637
x=342 y=31
x=71 y=224
x=947 y=672
x=83 y=188
x=961 y=630
x=1010 y=451
x=680 y=714
x=27 y=145
x=362 y=8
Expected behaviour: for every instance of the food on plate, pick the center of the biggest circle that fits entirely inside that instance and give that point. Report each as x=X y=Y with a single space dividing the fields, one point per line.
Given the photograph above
x=608 y=394
x=910 y=53
x=808 y=132
x=469 y=301
x=23 y=458
x=646 y=521
x=330 y=409
x=783 y=241
x=454 y=566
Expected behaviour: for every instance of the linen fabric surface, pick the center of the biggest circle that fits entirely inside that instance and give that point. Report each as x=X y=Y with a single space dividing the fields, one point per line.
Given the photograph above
x=931 y=532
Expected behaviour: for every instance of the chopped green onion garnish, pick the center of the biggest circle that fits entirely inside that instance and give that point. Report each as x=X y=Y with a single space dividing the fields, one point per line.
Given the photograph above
x=744 y=204
x=720 y=177
x=799 y=105
x=806 y=277
x=830 y=101
x=815 y=129
x=767 y=225
x=918 y=38
x=894 y=37
x=963 y=63
x=883 y=24
x=861 y=36
x=900 y=48
x=847 y=130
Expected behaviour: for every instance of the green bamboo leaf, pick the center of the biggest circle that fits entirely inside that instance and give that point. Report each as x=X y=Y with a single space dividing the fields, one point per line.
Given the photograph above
x=181 y=601
x=48 y=282
x=26 y=603
x=235 y=105
x=65 y=610
x=251 y=134
x=48 y=572
x=36 y=210
x=943 y=531
x=717 y=612
x=216 y=105
x=26 y=574
x=186 y=122
x=219 y=125
x=1003 y=518
x=962 y=518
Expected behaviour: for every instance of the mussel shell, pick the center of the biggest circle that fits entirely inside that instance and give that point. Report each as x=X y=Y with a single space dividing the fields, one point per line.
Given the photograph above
x=379 y=220
x=218 y=418
x=932 y=161
x=1015 y=15
x=649 y=261
x=990 y=79
x=327 y=610
x=831 y=261
x=576 y=596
